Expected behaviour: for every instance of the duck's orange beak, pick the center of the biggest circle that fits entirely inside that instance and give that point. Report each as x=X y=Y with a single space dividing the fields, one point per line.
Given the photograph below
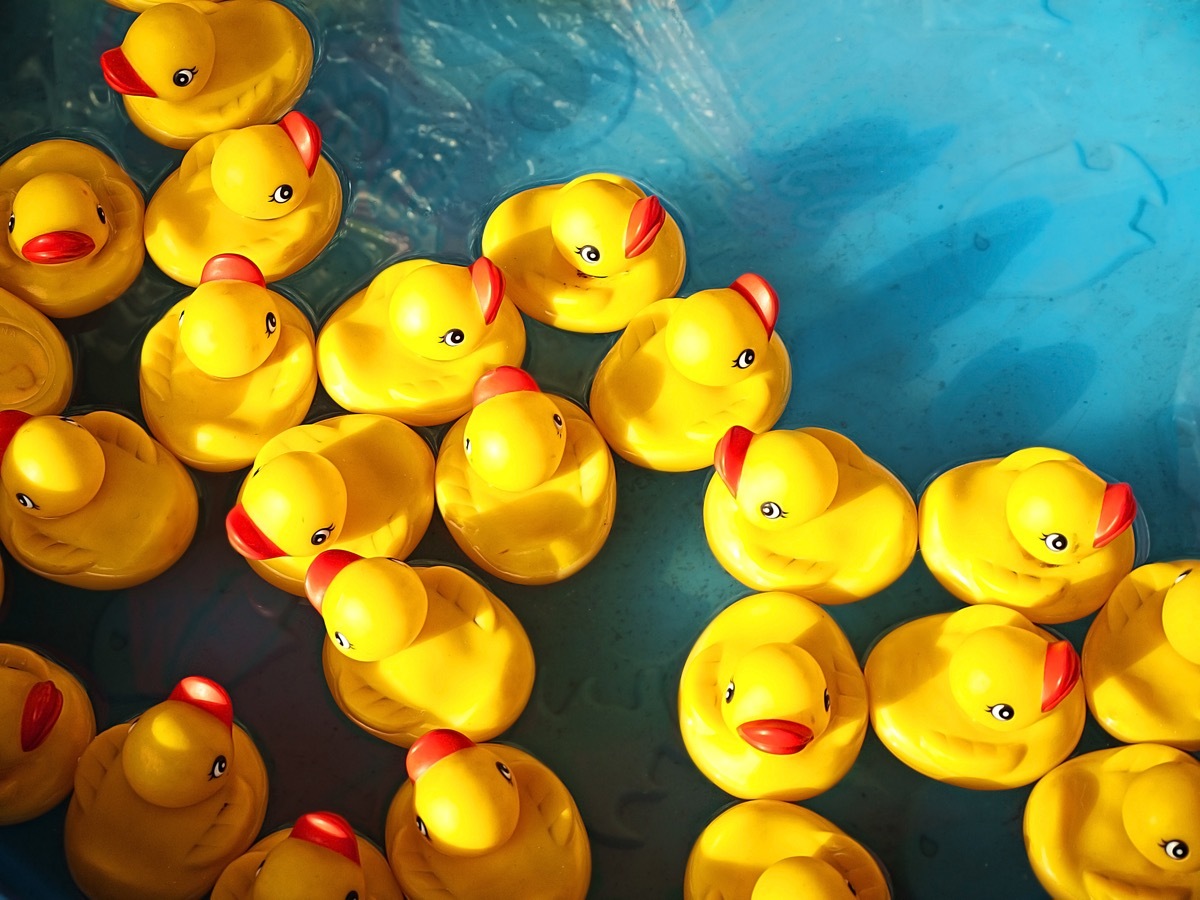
x=1116 y=513
x=247 y=538
x=322 y=570
x=781 y=737
x=1060 y=675
x=58 y=247
x=123 y=77
x=43 y=704
x=730 y=456
x=488 y=281
x=205 y=694
x=431 y=747
x=328 y=830
x=645 y=221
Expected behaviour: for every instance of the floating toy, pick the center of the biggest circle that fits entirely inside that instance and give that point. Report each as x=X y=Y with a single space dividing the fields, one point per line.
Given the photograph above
x=92 y=501
x=227 y=368
x=771 y=850
x=163 y=804
x=807 y=511
x=74 y=228
x=525 y=482
x=1141 y=658
x=772 y=703
x=587 y=255
x=415 y=649
x=980 y=698
x=190 y=69
x=413 y=343
x=484 y=822
x=36 y=374
x=263 y=192
x=46 y=721
x=1118 y=823
x=687 y=370
x=1036 y=531
x=319 y=856
x=356 y=482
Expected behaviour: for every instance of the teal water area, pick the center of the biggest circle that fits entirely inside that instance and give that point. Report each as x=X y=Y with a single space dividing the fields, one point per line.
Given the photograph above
x=982 y=223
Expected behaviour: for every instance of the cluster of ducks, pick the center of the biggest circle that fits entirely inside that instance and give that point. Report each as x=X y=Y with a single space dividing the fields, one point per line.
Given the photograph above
x=773 y=704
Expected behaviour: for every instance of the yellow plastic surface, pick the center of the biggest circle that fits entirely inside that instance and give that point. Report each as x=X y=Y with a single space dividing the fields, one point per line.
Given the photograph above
x=62 y=186
x=941 y=685
x=770 y=850
x=35 y=780
x=110 y=506
x=772 y=657
x=36 y=372
x=814 y=515
x=1119 y=823
x=549 y=278
x=391 y=348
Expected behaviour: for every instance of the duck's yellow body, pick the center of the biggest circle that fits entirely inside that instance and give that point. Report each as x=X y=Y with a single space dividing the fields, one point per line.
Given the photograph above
x=36 y=372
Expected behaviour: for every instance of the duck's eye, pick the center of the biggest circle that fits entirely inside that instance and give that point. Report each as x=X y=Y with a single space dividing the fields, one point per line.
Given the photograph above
x=558 y=420
x=453 y=337
x=745 y=359
x=100 y=213
x=1175 y=849
x=181 y=312
x=421 y=828
x=26 y=501
x=353 y=895
x=826 y=699
x=772 y=510
x=1002 y=711
x=218 y=768
x=1182 y=575
x=341 y=640
x=729 y=691
x=321 y=535
x=183 y=77
x=12 y=223
x=68 y=420
x=466 y=445
x=134 y=722
x=281 y=194
x=1055 y=541
x=852 y=890
x=504 y=770
x=588 y=253
x=272 y=323
x=259 y=869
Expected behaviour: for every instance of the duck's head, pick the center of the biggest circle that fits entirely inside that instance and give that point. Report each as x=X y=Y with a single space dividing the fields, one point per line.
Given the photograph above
x=1060 y=512
x=801 y=876
x=319 y=858
x=776 y=699
x=441 y=312
x=373 y=608
x=515 y=435
x=179 y=752
x=1161 y=814
x=230 y=324
x=265 y=171
x=29 y=700
x=1181 y=612
x=50 y=465
x=57 y=218
x=168 y=52
x=290 y=506
x=464 y=796
x=720 y=337
x=601 y=226
x=779 y=478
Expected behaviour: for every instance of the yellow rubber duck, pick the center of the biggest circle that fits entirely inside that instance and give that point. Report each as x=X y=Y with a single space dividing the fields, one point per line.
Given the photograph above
x=484 y=822
x=771 y=850
x=807 y=511
x=1036 y=531
x=36 y=373
x=164 y=803
x=587 y=255
x=1119 y=823
x=687 y=370
x=74 y=228
x=525 y=482
x=192 y=68
x=356 y=482
x=980 y=698
x=227 y=368
x=413 y=343
x=264 y=192
x=319 y=856
x=46 y=721
x=414 y=649
x=772 y=703
x=92 y=501
x=1141 y=658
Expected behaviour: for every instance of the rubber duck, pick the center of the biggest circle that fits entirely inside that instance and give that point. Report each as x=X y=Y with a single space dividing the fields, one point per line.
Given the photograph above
x=46 y=721
x=771 y=850
x=525 y=482
x=686 y=370
x=1036 y=531
x=264 y=192
x=484 y=822
x=356 y=482
x=164 y=803
x=807 y=511
x=319 y=856
x=772 y=703
x=411 y=649
x=587 y=255
x=92 y=501
x=413 y=343
x=1141 y=658
x=1115 y=823
x=74 y=228
x=981 y=697
x=227 y=368
x=188 y=69
x=36 y=373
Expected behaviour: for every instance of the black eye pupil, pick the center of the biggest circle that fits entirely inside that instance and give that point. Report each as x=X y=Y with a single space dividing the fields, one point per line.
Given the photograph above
x=455 y=336
x=12 y=223
x=591 y=254
x=729 y=692
x=558 y=420
x=1177 y=849
x=270 y=321
x=353 y=895
x=826 y=701
x=421 y=827
x=183 y=77
x=100 y=213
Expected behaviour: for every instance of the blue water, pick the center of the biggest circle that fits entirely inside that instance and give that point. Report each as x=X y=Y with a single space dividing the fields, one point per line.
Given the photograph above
x=981 y=220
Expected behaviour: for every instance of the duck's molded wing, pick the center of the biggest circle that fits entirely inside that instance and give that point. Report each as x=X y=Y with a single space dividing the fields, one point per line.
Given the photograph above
x=99 y=757
x=469 y=597
x=1031 y=456
x=232 y=828
x=644 y=326
x=49 y=553
x=197 y=162
x=1139 y=757
x=122 y=433
x=159 y=352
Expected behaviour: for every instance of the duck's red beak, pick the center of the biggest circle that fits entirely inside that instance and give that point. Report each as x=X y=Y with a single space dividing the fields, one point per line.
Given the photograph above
x=433 y=746
x=232 y=267
x=1060 y=674
x=1116 y=513
x=488 y=282
x=322 y=570
x=58 y=247
x=121 y=76
x=730 y=456
x=778 y=736
x=43 y=704
x=10 y=421
x=305 y=134
x=761 y=297
x=328 y=830
x=205 y=694
x=645 y=221
x=247 y=538
x=502 y=380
